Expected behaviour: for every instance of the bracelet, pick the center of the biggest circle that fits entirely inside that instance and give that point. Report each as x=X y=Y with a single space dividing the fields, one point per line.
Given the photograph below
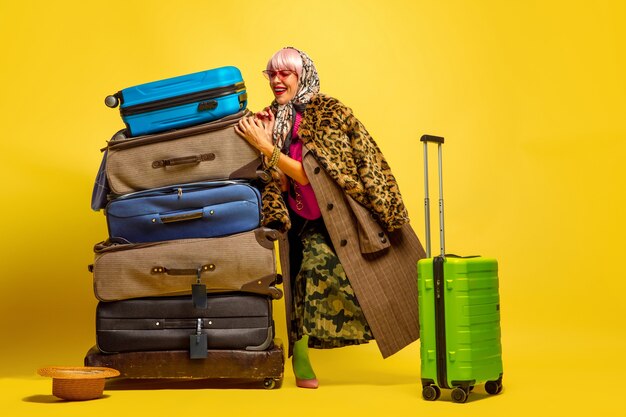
x=274 y=159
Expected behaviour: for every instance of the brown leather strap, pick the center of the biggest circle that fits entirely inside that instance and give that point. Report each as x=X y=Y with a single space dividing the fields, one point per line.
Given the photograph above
x=155 y=270
x=183 y=160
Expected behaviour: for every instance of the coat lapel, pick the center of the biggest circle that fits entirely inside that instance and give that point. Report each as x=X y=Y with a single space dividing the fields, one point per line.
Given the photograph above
x=380 y=268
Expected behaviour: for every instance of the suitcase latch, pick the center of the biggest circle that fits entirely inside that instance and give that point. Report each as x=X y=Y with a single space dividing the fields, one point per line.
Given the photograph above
x=242 y=100
x=207 y=105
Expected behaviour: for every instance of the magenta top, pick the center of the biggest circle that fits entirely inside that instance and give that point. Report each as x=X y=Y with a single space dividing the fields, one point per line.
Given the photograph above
x=301 y=198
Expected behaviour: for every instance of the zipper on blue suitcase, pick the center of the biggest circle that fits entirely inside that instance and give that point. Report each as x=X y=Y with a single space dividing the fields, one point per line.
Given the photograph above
x=198 y=96
x=180 y=188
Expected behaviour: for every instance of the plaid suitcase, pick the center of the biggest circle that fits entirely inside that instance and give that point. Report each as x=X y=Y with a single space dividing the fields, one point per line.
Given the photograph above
x=459 y=313
x=208 y=152
x=240 y=262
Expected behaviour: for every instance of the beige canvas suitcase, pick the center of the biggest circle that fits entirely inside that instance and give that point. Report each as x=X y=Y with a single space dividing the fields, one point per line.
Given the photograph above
x=240 y=262
x=206 y=152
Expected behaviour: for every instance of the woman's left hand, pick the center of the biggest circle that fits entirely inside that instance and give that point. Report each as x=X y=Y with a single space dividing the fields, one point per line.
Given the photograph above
x=253 y=131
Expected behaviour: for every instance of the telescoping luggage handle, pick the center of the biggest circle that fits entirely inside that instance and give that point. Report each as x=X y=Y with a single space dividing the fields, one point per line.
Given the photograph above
x=439 y=141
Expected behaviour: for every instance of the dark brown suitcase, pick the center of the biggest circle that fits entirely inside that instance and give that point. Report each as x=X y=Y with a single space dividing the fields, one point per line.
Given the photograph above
x=229 y=321
x=265 y=367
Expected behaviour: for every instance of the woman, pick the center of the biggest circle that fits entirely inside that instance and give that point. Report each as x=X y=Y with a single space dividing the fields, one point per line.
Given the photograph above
x=349 y=265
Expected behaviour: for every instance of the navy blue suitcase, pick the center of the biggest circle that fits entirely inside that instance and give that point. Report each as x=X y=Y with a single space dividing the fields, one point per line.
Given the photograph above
x=180 y=101
x=198 y=210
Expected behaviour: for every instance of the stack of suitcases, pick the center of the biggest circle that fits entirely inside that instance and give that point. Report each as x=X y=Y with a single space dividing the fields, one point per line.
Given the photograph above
x=186 y=279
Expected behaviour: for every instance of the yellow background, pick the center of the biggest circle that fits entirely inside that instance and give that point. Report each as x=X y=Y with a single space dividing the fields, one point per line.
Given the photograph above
x=530 y=96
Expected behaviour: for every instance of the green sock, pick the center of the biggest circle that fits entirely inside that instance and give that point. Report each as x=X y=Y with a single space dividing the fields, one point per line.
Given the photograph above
x=301 y=365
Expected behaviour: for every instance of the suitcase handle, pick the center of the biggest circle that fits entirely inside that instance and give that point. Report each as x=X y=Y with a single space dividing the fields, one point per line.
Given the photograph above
x=431 y=138
x=183 y=160
x=183 y=217
x=439 y=140
x=155 y=270
x=263 y=285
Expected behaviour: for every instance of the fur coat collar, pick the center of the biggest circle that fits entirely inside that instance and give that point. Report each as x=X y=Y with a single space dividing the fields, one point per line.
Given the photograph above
x=347 y=152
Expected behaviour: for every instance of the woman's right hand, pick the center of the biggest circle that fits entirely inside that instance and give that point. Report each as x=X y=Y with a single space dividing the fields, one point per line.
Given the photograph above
x=267 y=118
x=258 y=131
x=253 y=130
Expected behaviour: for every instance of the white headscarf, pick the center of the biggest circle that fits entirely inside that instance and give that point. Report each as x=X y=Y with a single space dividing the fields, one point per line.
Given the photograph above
x=308 y=86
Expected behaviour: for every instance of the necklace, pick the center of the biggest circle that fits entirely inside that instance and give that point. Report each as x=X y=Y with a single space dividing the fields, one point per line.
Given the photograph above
x=299 y=203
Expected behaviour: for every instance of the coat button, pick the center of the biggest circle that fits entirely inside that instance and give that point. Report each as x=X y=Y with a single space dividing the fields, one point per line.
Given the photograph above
x=330 y=206
x=343 y=242
x=383 y=240
x=316 y=170
x=381 y=234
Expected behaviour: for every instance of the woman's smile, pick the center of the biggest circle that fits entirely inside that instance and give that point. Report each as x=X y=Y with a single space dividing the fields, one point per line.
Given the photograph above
x=279 y=89
x=284 y=88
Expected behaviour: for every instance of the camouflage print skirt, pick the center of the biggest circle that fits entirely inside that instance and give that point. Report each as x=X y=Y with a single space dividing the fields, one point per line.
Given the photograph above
x=324 y=305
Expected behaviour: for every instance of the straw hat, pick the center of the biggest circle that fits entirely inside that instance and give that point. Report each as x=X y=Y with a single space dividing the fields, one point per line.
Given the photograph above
x=77 y=383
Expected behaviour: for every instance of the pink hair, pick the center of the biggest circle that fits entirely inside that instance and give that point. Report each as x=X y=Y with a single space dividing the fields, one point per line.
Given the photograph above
x=286 y=58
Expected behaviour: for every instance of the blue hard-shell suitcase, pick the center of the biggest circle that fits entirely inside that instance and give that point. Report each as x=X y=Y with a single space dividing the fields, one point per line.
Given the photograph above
x=180 y=101
x=199 y=210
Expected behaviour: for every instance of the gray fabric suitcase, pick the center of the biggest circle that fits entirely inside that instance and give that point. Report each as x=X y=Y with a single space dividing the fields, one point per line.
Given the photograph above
x=206 y=152
x=240 y=262
x=229 y=321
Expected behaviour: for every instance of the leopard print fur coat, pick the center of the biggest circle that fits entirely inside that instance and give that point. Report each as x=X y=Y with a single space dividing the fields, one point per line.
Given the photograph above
x=348 y=153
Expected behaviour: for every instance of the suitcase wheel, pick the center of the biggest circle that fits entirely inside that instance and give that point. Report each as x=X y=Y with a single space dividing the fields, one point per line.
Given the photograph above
x=459 y=395
x=269 y=383
x=121 y=135
x=111 y=101
x=493 y=387
x=431 y=392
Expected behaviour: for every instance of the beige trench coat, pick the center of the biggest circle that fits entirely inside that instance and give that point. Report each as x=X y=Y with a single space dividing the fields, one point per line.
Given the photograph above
x=381 y=266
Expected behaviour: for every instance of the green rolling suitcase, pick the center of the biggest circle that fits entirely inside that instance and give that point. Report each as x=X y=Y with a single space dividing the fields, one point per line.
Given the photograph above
x=459 y=313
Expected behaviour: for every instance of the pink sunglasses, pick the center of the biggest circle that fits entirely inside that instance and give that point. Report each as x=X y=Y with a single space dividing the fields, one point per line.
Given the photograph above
x=282 y=74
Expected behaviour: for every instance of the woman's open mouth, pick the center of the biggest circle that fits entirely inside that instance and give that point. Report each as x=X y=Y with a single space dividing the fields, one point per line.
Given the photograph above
x=279 y=90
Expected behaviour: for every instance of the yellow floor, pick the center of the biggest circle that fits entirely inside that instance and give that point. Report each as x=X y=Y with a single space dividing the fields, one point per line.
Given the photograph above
x=541 y=379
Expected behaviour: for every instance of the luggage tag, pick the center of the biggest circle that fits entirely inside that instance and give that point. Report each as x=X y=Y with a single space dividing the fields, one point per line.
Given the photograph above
x=198 y=292
x=198 y=343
